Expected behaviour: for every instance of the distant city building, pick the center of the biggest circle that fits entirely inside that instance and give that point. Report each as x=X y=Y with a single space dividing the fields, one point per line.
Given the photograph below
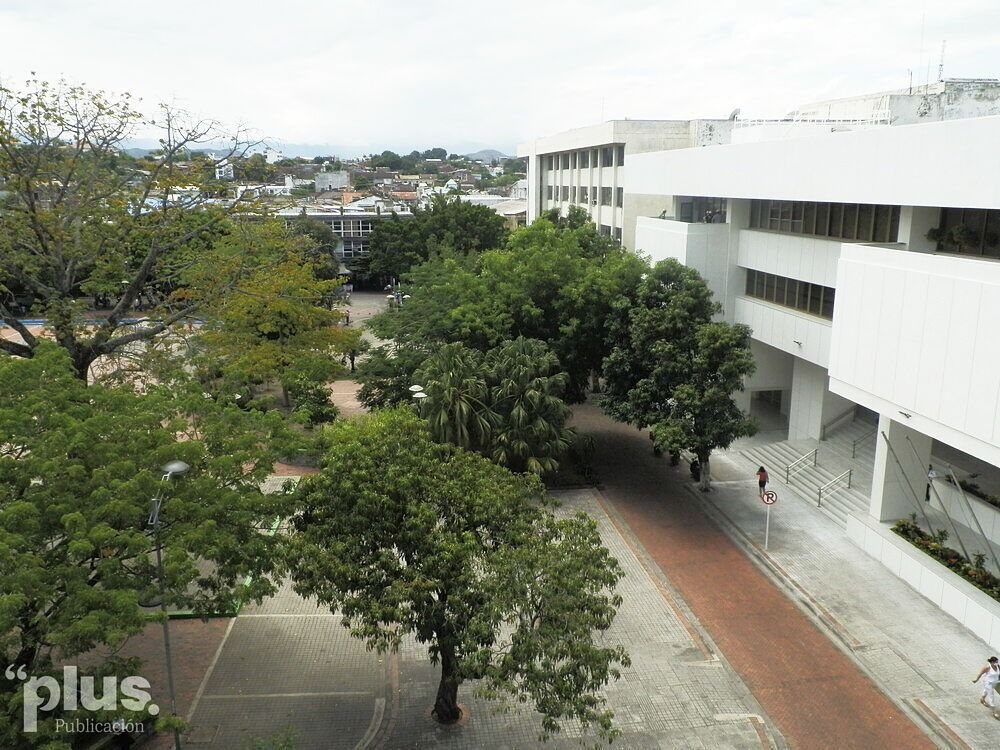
x=519 y=190
x=332 y=180
x=224 y=170
x=353 y=223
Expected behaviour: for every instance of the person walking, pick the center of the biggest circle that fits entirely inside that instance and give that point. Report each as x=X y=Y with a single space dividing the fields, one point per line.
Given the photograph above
x=762 y=480
x=990 y=675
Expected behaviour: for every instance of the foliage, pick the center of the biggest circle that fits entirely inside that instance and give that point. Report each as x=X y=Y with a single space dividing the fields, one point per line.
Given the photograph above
x=526 y=395
x=555 y=284
x=81 y=218
x=398 y=245
x=933 y=544
x=407 y=537
x=279 y=322
x=254 y=168
x=674 y=370
x=78 y=468
x=387 y=374
x=457 y=407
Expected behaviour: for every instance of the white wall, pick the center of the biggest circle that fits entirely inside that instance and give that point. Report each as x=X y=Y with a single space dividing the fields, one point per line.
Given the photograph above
x=952 y=163
x=781 y=327
x=703 y=247
x=918 y=333
x=795 y=256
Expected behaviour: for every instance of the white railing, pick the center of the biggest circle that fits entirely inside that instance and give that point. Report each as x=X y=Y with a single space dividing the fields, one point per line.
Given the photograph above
x=827 y=487
x=794 y=465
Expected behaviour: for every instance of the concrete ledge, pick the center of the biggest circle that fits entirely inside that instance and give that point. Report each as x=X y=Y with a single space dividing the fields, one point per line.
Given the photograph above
x=948 y=590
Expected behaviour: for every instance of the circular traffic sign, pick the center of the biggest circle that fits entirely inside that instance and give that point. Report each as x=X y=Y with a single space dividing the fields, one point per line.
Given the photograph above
x=770 y=497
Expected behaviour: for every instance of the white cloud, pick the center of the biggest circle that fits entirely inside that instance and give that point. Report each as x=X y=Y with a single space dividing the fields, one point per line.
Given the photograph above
x=380 y=74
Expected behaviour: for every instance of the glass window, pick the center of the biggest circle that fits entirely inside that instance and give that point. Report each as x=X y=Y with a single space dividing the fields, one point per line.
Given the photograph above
x=780 y=283
x=809 y=218
x=755 y=214
x=584 y=159
x=883 y=220
x=548 y=192
x=815 y=299
x=802 y=298
x=583 y=195
x=618 y=235
x=774 y=216
x=565 y=192
x=758 y=288
x=836 y=220
x=850 y=230
x=827 y=309
x=619 y=197
x=607 y=155
x=769 y=285
x=866 y=222
x=798 y=209
x=565 y=161
x=605 y=196
x=823 y=219
x=751 y=280
x=786 y=216
x=620 y=154
x=606 y=230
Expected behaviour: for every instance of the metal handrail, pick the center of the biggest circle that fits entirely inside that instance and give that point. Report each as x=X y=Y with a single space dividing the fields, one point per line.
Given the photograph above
x=828 y=485
x=797 y=461
x=856 y=443
x=852 y=412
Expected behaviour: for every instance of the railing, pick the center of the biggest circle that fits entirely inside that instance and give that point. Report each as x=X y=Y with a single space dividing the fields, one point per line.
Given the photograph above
x=852 y=413
x=800 y=460
x=856 y=443
x=826 y=487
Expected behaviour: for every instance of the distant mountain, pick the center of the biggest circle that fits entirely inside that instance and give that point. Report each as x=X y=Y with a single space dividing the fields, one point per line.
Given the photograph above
x=487 y=154
x=137 y=153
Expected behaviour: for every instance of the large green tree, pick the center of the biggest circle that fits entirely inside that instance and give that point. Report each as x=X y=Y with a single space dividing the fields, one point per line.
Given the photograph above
x=399 y=244
x=78 y=469
x=673 y=369
x=408 y=538
x=80 y=220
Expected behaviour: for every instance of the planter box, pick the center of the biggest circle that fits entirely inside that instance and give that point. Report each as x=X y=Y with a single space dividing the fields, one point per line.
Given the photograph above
x=988 y=515
x=949 y=591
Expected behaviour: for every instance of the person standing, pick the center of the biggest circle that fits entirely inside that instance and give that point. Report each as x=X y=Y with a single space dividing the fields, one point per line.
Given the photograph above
x=990 y=675
x=762 y=480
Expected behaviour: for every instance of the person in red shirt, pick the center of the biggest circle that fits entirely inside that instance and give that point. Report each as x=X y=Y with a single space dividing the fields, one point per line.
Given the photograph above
x=762 y=479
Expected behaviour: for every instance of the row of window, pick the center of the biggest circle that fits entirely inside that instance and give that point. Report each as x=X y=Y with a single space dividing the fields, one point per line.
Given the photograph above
x=585 y=195
x=351 y=227
x=606 y=230
x=354 y=248
x=606 y=156
x=859 y=222
x=814 y=299
x=970 y=231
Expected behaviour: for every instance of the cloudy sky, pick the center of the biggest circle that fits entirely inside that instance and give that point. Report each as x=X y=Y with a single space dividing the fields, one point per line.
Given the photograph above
x=463 y=74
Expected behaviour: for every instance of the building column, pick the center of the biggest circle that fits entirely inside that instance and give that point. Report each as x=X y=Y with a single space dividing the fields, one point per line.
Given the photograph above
x=891 y=495
x=812 y=403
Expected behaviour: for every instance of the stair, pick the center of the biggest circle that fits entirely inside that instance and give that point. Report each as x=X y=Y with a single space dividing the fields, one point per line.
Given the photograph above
x=839 y=502
x=838 y=446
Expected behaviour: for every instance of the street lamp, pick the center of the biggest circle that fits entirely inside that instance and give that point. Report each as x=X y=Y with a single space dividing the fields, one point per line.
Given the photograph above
x=172 y=469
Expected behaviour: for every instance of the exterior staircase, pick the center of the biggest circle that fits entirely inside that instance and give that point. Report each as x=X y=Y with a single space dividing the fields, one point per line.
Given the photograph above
x=832 y=459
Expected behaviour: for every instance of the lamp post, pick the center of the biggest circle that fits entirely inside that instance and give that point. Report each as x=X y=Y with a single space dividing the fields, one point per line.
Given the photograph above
x=174 y=468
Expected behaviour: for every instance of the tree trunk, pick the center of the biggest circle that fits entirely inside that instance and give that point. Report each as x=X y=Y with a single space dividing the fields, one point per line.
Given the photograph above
x=285 y=401
x=595 y=381
x=446 y=708
x=706 y=473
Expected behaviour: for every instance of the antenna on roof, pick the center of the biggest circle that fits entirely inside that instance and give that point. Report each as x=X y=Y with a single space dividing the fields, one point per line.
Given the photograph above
x=941 y=64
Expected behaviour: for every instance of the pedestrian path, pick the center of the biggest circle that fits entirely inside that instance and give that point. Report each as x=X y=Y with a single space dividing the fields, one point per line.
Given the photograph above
x=912 y=649
x=814 y=693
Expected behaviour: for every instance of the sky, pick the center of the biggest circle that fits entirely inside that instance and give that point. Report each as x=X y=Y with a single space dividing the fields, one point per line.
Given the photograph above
x=368 y=75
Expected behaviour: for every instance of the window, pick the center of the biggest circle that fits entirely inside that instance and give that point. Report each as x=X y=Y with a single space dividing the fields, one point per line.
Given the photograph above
x=607 y=156
x=703 y=210
x=618 y=235
x=619 y=197
x=605 y=196
x=548 y=192
x=572 y=161
x=565 y=161
x=606 y=230
x=620 y=154
x=565 y=192
x=970 y=231
x=584 y=159
x=583 y=195
x=859 y=222
x=799 y=295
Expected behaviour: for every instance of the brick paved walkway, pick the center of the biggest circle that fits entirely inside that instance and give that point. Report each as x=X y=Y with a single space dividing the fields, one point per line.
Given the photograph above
x=815 y=695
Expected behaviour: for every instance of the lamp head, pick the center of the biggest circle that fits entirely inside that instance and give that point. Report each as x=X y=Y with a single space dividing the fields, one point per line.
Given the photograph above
x=175 y=467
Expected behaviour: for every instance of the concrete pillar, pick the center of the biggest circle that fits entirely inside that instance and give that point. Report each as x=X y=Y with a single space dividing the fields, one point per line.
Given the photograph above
x=914 y=223
x=786 y=401
x=812 y=403
x=891 y=496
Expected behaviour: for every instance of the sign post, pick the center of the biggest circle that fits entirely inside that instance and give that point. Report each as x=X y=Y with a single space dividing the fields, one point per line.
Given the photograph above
x=770 y=498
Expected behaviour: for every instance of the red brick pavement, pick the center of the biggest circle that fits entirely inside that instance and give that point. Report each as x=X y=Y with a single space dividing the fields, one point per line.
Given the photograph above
x=814 y=693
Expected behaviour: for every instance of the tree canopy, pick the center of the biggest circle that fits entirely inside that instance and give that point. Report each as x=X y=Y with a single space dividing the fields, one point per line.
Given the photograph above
x=408 y=538
x=78 y=467
x=673 y=369
x=82 y=220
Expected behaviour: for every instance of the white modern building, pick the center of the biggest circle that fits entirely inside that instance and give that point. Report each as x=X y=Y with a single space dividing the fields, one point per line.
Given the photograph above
x=862 y=247
x=353 y=223
x=586 y=167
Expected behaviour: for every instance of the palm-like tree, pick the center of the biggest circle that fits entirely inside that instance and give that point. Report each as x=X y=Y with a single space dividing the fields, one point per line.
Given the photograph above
x=457 y=406
x=526 y=389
